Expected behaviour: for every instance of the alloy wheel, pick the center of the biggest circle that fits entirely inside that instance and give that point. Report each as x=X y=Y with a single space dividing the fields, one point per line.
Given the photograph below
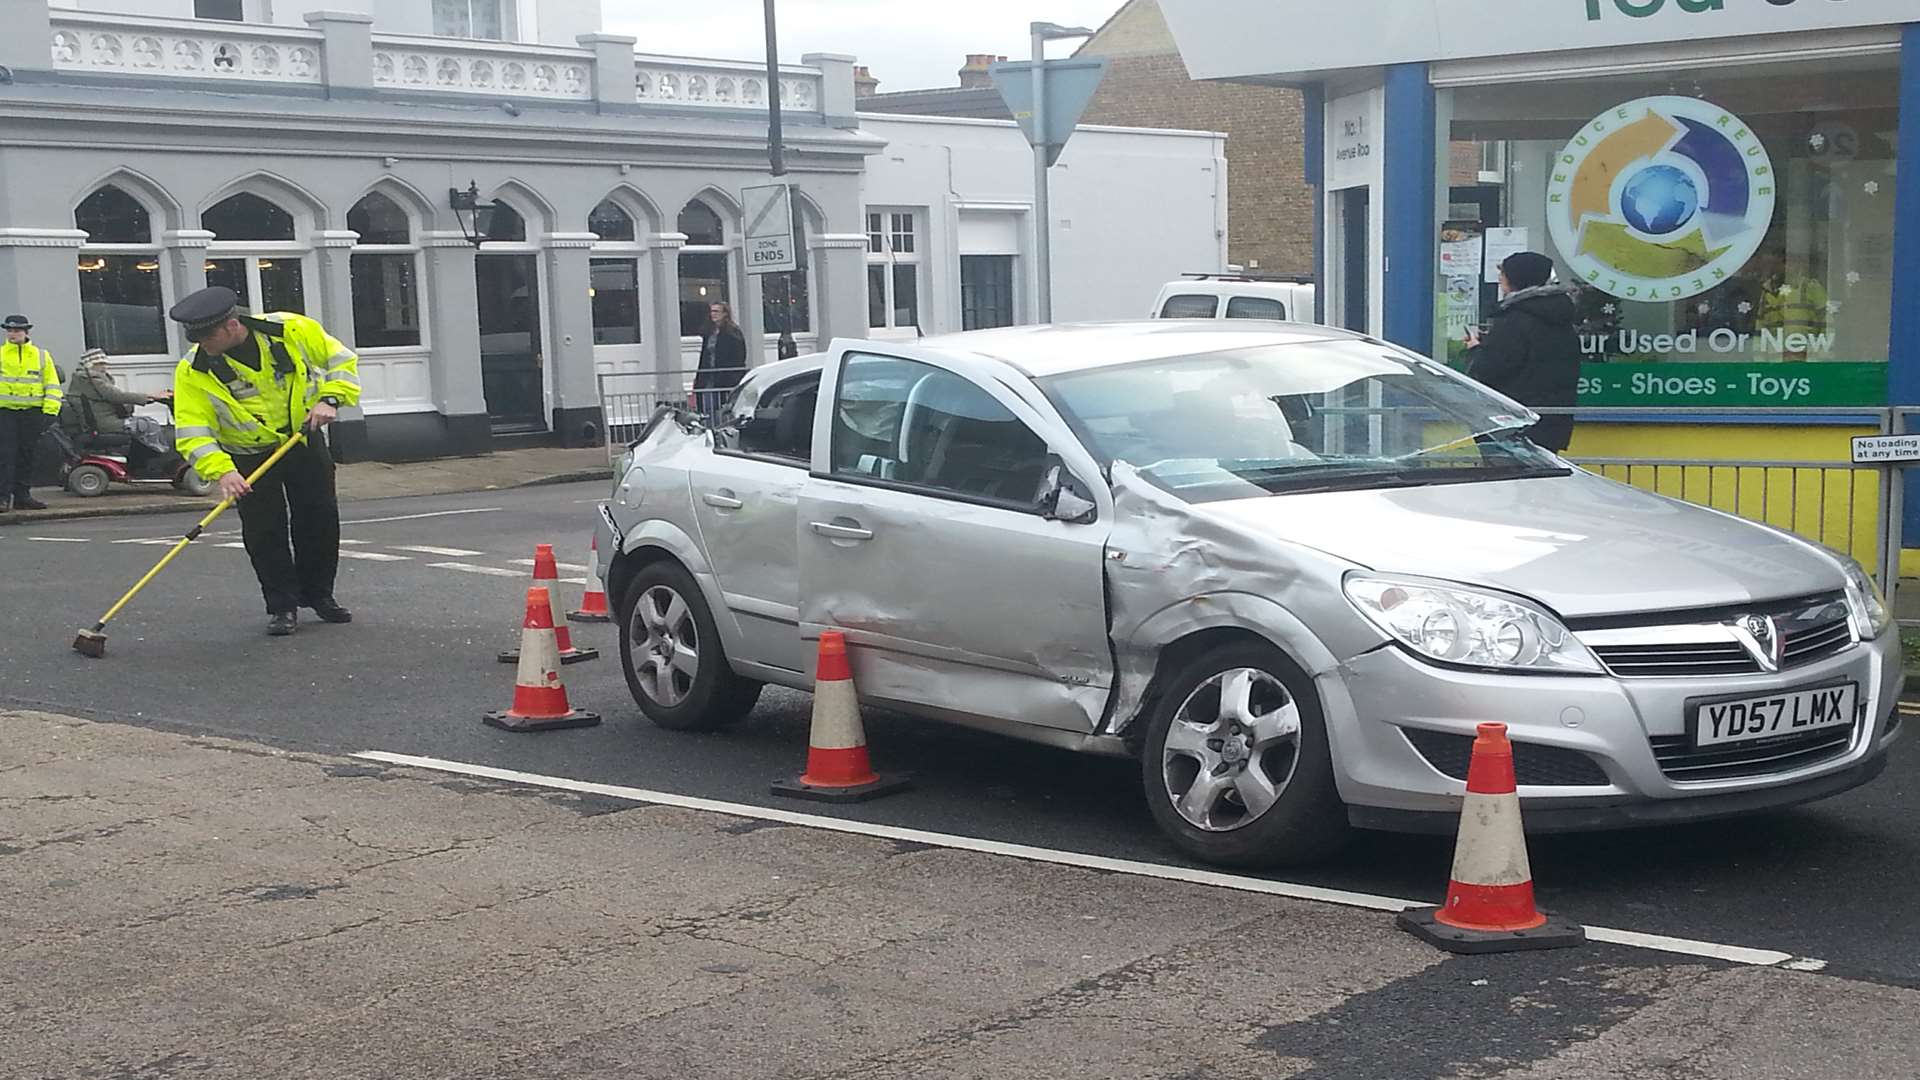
x=667 y=653
x=1231 y=750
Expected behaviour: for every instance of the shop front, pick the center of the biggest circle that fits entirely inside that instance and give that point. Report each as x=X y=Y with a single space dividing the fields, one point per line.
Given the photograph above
x=1716 y=180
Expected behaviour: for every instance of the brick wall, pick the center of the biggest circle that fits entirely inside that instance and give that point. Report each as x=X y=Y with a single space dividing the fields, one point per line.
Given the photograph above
x=1269 y=205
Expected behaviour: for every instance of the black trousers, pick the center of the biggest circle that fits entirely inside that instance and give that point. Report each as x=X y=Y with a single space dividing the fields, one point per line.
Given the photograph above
x=291 y=526
x=19 y=433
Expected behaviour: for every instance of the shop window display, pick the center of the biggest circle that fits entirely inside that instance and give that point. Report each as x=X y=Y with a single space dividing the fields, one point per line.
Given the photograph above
x=1728 y=238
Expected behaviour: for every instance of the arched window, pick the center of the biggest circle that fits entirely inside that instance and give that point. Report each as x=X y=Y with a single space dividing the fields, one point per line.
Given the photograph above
x=256 y=252
x=706 y=267
x=611 y=223
x=122 y=306
x=111 y=216
x=247 y=216
x=615 y=288
x=386 y=275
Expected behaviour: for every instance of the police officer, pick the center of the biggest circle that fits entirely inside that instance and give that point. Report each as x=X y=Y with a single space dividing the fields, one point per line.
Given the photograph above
x=30 y=398
x=250 y=384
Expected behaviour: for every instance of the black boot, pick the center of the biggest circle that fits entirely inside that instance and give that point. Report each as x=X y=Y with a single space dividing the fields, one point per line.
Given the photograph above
x=330 y=611
x=282 y=623
x=28 y=502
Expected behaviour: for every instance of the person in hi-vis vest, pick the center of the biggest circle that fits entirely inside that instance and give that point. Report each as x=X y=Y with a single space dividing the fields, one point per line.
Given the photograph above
x=251 y=383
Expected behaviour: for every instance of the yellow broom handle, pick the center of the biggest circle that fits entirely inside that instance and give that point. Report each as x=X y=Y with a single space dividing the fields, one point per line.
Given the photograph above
x=194 y=534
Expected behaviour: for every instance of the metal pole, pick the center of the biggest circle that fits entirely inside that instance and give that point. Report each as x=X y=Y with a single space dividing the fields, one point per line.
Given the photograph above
x=776 y=141
x=1043 y=215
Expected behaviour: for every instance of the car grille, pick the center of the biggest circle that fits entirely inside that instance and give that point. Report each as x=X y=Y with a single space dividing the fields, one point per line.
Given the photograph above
x=1546 y=766
x=1812 y=629
x=1681 y=762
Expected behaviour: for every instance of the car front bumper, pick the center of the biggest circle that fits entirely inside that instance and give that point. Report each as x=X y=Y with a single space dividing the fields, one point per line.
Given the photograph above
x=1374 y=701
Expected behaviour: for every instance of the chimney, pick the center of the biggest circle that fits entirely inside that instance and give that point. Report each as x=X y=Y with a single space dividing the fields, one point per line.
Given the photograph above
x=864 y=84
x=974 y=76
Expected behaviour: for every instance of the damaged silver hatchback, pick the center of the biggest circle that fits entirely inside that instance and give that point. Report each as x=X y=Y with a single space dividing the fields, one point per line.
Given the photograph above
x=1286 y=567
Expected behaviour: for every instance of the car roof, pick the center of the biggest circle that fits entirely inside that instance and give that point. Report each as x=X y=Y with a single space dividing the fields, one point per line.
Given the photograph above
x=1041 y=351
x=1278 y=290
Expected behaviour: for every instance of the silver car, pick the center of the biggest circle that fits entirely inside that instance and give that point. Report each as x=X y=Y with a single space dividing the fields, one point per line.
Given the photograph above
x=1287 y=568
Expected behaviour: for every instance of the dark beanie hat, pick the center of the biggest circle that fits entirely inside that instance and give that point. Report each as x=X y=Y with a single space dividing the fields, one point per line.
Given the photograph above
x=1527 y=270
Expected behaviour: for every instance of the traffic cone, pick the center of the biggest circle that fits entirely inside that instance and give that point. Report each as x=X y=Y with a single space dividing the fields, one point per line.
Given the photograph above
x=539 y=697
x=1489 y=906
x=593 y=606
x=837 y=765
x=547 y=571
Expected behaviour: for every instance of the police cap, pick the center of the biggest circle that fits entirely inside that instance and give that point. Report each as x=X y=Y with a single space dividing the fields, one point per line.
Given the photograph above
x=205 y=310
x=15 y=322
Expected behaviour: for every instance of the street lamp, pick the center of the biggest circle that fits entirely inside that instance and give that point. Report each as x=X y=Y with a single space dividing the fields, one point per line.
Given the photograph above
x=1044 y=32
x=475 y=217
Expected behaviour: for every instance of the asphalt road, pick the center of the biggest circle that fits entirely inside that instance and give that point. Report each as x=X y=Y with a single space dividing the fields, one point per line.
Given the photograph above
x=415 y=673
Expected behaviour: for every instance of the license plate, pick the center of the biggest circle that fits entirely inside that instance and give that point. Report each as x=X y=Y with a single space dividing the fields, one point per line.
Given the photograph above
x=1794 y=712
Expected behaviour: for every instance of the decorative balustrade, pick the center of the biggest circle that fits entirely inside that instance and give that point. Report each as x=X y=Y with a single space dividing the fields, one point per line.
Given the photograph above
x=148 y=47
x=479 y=67
x=132 y=45
x=721 y=84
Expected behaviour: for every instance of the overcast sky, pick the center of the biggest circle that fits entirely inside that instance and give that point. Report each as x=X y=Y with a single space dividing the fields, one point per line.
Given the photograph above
x=909 y=44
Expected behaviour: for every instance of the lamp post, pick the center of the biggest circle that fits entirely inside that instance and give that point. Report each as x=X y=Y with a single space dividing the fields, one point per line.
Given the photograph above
x=777 y=158
x=477 y=221
x=1043 y=32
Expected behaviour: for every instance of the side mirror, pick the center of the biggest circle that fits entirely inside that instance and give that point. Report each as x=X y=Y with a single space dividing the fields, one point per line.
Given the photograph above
x=1064 y=498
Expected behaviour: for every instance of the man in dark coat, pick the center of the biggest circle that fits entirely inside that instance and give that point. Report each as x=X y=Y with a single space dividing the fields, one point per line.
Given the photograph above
x=1531 y=350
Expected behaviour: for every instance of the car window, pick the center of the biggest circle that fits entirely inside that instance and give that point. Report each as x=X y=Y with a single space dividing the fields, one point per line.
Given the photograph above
x=1190 y=307
x=779 y=425
x=1256 y=307
x=907 y=423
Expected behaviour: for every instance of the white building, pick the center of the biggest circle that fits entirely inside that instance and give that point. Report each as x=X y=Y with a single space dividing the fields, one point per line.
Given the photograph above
x=309 y=159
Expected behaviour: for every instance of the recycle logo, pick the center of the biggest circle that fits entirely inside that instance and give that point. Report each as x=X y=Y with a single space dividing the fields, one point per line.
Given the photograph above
x=1661 y=198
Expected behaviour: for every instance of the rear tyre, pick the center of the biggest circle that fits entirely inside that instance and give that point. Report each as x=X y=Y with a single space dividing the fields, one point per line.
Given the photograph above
x=88 y=481
x=190 y=482
x=1236 y=765
x=670 y=649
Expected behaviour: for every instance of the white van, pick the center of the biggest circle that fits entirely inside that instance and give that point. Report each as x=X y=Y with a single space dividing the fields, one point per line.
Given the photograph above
x=1235 y=296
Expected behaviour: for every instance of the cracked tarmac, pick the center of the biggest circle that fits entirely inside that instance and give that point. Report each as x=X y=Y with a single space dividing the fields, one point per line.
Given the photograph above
x=181 y=906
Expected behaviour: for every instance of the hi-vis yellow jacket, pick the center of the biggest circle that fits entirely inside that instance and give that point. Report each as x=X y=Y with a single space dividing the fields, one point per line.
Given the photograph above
x=28 y=382
x=222 y=407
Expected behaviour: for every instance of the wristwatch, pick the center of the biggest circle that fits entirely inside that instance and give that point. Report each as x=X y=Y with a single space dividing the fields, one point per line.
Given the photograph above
x=331 y=401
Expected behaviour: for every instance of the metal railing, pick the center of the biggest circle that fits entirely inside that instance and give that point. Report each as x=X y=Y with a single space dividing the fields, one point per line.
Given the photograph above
x=628 y=399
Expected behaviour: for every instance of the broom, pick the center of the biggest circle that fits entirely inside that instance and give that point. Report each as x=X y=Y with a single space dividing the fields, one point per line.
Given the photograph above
x=93 y=642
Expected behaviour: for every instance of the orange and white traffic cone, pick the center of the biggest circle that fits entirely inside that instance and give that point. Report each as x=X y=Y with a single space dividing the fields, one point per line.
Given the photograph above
x=837 y=766
x=546 y=573
x=539 y=697
x=593 y=606
x=1489 y=906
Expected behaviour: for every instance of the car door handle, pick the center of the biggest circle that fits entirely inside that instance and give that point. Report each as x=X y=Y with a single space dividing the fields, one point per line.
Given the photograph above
x=722 y=500
x=841 y=532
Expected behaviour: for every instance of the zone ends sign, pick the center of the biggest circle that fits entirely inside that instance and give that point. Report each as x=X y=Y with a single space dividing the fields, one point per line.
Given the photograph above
x=772 y=240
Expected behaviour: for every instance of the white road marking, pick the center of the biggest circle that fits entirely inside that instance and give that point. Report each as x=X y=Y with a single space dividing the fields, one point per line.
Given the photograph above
x=1737 y=954
x=575 y=567
x=443 y=552
x=150 y=540
x=344 y=540
x=374 y=556
x=469 y=568
x=62 y=539
x=236 y=545
x=420 y=517
x=573 y=581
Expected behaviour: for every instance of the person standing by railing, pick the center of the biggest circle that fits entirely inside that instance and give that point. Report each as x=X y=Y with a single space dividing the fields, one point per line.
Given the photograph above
x=723 y=360
x=1531 y=351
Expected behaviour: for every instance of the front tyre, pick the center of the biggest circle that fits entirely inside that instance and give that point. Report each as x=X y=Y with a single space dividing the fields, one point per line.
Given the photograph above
x=676 y=669
x=1236 y=765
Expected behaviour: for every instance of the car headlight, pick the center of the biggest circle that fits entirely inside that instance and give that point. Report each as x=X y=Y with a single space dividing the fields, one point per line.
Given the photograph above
x=1468 y=627
x=1869 y=607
